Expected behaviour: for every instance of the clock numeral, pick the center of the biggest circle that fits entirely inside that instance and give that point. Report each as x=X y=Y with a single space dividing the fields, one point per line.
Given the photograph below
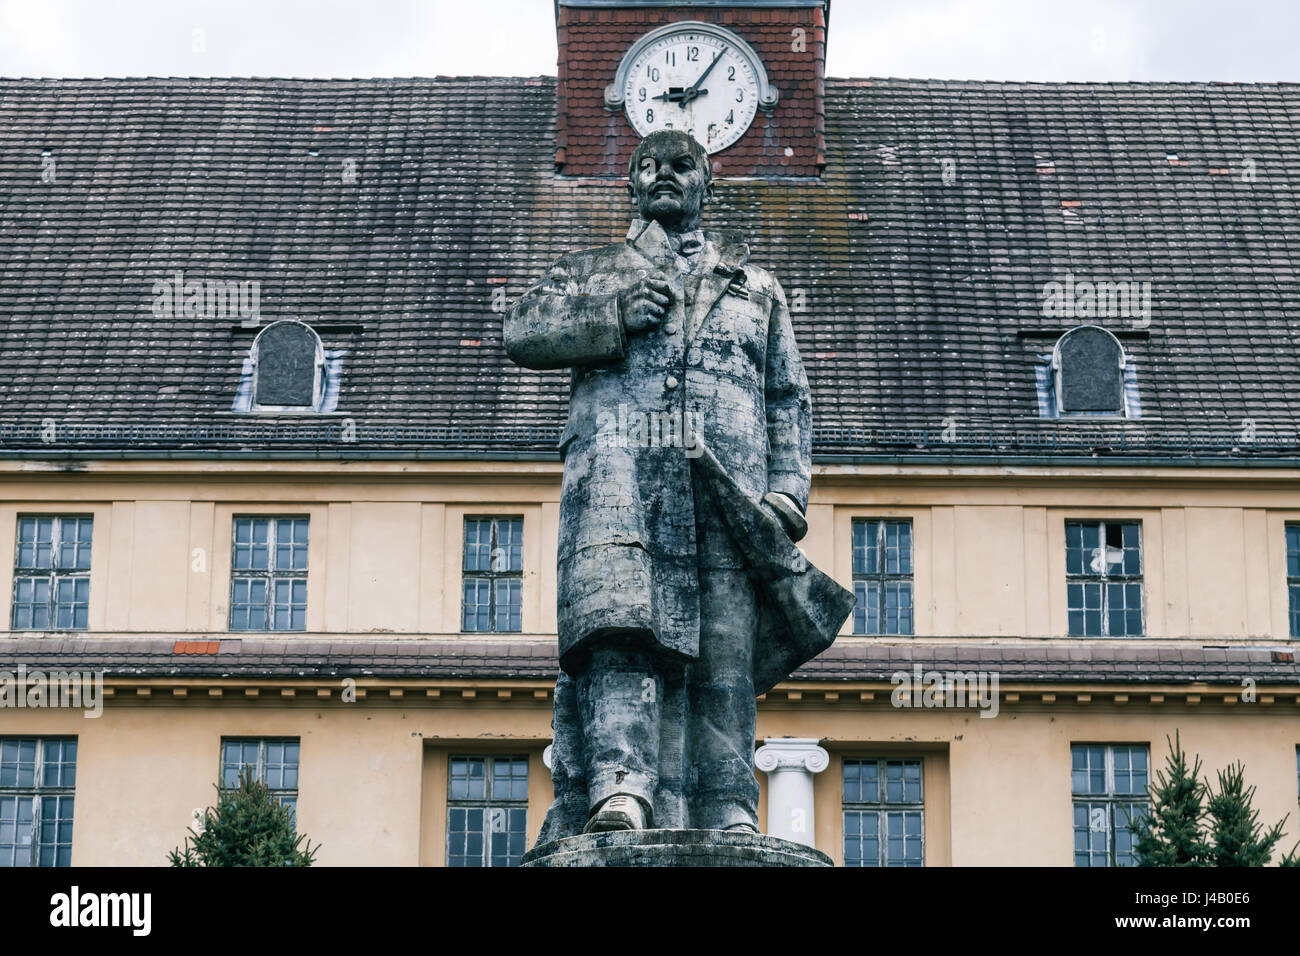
x=692 y=53
x=731 y=74
x=653 y=73
x=740 y=95
x=641 y=94
x=649 y=116
x=671 y=57
x=731 y=118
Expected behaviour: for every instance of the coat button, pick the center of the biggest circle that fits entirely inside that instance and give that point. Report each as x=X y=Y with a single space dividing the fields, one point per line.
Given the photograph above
x=671 y=382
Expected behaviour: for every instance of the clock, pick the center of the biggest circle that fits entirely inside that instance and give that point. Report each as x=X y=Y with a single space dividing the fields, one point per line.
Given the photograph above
x=692 y=76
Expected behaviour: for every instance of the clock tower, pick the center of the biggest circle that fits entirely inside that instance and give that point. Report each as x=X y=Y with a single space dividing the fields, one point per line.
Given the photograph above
x=744 y=77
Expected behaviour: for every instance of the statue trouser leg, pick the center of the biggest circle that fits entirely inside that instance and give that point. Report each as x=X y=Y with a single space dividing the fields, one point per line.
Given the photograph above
x=568 y=813
x=722 y=788
x=619 y=697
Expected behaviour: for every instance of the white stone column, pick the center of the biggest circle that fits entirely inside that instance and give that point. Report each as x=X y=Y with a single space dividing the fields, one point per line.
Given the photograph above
x=790 y=763
x=546 y=757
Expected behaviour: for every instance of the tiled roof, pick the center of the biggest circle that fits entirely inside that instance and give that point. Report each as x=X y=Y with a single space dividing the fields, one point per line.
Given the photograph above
x=919 y=257
x=1028 y=662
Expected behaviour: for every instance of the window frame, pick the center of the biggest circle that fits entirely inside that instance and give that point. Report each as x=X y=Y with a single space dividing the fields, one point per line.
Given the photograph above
x=271 y=574
x=318 y=379
x=490 y=576
x=282 y=794
x=1109 y=798
x=882 y=806
x=1058 y=378
x=1105 y=578
x=38 y=793
x=882 y=578
x=54 y=573
x=489 y=803
x=1292 y=577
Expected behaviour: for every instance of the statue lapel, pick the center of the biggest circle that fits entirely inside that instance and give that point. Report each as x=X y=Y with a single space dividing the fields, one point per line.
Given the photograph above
x=723 y=257
x=650 y=240
x=726 y=263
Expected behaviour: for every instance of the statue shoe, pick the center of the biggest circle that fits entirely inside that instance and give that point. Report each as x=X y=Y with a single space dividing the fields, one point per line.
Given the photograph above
x=743 y=828
x=619 y=812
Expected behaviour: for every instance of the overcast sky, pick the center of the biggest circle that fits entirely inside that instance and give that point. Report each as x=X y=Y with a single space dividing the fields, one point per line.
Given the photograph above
x=1243 y=40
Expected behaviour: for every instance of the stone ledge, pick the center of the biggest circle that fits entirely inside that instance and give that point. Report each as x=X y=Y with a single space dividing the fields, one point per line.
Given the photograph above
x=673 y=848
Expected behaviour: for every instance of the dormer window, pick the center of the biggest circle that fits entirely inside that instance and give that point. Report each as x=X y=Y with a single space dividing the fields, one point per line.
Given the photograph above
x=288 y=368
x=1088 y=368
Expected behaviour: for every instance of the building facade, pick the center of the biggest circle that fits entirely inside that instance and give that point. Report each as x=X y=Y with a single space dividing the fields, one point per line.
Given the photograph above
x=268 y=476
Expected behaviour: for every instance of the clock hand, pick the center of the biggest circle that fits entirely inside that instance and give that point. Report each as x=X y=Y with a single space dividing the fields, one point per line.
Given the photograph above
x=693 y=91
x=679 y=97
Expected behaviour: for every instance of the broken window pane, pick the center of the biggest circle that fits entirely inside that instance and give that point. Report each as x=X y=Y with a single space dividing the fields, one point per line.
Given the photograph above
x=1103 y=564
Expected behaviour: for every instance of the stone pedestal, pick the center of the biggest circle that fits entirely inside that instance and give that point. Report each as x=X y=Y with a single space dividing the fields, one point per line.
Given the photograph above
x=674 y=848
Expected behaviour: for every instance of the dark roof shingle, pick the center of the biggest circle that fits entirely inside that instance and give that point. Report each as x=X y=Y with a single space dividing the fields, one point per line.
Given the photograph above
x=311 y=658
x=921 y=292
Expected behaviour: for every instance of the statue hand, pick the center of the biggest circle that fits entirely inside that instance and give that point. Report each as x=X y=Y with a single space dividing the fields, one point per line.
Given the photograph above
x=644 y=304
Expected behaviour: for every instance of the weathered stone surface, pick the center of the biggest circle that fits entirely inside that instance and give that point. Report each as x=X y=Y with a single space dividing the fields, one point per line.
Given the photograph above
x=674 y=848
x=680 y=591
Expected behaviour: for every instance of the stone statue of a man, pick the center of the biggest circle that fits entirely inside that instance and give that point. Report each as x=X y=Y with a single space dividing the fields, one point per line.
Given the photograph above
x=681 y=594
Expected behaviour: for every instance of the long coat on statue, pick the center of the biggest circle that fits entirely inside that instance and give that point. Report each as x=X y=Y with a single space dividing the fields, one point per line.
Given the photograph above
x=717 y=387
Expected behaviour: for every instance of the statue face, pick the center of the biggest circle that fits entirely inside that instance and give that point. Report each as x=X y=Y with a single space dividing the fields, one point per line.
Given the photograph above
x=669 y=184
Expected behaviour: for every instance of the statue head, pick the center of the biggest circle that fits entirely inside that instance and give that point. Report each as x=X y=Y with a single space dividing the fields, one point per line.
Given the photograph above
x=670 y=179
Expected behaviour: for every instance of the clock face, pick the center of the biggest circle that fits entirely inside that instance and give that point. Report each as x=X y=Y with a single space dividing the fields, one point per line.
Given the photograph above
x=693 y=81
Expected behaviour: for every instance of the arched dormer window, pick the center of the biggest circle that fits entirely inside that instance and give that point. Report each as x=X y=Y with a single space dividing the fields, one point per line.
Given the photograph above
x=1088 y=365
x=288 y=368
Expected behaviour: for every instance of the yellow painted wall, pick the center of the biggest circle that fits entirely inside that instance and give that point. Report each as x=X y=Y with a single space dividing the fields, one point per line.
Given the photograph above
x=385 y=555
x=373 y=776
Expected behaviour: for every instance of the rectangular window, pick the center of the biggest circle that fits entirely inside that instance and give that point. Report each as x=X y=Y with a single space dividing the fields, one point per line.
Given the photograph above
x=1109 y=783
x=884 y=813
x=1293 y=576
x=268 y=589
x=1103 y=569
x=487 y=811
x=52 y=573
x=37 y=778
x=882 y=576
x=493 y=569
x=273 y=760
